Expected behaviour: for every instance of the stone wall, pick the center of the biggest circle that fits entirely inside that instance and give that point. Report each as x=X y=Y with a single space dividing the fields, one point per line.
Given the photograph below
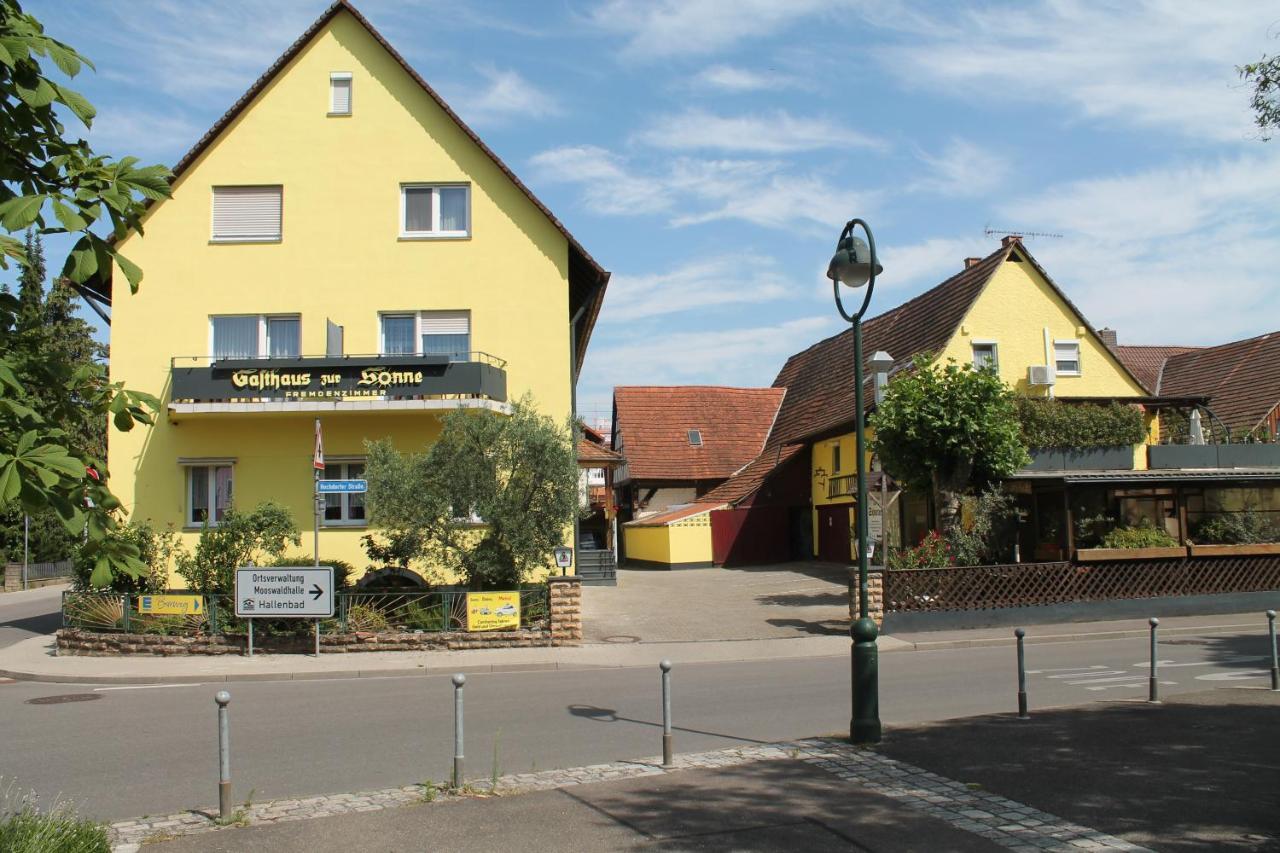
x=875 y=594
x=13 y=575
x=565 y=630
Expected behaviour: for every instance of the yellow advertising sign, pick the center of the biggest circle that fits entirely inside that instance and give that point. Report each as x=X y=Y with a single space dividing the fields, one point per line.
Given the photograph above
x=493 y=611
x=171 y=605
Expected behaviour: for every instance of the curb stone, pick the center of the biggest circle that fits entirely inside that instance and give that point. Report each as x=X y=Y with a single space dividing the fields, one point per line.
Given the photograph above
x=1008 y=823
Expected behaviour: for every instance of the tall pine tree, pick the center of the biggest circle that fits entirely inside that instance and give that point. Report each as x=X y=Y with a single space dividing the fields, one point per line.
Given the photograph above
x=50 y=331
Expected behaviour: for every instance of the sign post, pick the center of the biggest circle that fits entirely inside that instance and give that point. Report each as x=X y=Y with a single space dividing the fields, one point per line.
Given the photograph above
x=317 y=464
x=284 y=593
x=564 y=558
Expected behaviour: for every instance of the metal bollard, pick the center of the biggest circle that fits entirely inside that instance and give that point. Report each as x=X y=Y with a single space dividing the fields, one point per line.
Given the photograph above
x=1153 y=693
x=665 y=666
x=458 y=681
x=1275 y=664
x=222 y=698
x=1022 y=676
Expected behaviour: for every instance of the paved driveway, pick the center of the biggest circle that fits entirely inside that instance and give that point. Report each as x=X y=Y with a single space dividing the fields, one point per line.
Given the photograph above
x=750 y=603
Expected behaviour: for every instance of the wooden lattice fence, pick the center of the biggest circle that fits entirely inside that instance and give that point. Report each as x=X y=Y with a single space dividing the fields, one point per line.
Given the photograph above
x=1035 y=584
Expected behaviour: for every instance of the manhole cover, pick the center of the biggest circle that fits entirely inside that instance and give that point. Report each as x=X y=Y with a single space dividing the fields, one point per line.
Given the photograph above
x=622 y=638
x=64 y=698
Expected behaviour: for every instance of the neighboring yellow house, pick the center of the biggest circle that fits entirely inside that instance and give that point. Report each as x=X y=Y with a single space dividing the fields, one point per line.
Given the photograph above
x=338 y=246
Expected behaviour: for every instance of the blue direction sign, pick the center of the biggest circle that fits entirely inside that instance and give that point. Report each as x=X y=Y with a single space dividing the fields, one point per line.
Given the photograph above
x=330 y=487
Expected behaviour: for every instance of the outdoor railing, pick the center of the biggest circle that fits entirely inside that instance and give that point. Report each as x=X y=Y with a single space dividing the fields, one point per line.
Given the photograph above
x=354 y=611
x=1039 y=584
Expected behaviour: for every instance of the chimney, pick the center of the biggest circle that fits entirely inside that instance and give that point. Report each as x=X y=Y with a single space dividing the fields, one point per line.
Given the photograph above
x=1011 y=240
x=1108 y=336
x=971 y=262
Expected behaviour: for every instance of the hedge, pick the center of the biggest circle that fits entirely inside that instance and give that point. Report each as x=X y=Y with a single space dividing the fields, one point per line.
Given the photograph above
x=1057 y=424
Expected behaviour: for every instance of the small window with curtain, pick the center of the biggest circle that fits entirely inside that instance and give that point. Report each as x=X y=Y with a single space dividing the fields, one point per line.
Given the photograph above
x=255 y=336
x=399 y=334
x=345 y=508
x=284 y=337
x=247 y=214
x=429 y=211
x=1066 y=357
x=340 y=93
x=984 y=356
x=208 y=494
x=446 y=333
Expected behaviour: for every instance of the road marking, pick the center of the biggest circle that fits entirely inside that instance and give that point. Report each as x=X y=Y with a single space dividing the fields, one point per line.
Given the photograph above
x=1233 y=659
x=1064 y=669
x=1242 y=675
x=1134 y=684
x=1127 y=677
x=1095 y=673
x=143 y=687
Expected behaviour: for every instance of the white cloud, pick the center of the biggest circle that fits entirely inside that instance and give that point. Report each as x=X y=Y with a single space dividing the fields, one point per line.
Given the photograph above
x=1158 y=64
x=740 y=278
x=690 y=191
x=663 y=28
x=962 y=169
x=773 y=133
x=750 y=356
x=735 y=79
x=922 y=265
x=506 y=95
x=1182 y=254
x=142 y=133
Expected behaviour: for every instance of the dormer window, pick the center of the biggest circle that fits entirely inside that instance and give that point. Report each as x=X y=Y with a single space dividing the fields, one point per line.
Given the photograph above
x=695 y=438
x=340 y=93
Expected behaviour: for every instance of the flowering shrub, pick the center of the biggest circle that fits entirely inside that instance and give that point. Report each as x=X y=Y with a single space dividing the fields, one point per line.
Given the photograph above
x=933 y=552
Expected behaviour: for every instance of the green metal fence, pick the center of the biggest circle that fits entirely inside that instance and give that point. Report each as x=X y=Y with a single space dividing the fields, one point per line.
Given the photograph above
x=400 y=610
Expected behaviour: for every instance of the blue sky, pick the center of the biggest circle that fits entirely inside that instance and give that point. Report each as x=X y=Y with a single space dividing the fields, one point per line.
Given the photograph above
x=708 y=152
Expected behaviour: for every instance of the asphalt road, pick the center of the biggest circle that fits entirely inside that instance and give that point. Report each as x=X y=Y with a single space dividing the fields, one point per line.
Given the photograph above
x=25 y=614
x=130 y=751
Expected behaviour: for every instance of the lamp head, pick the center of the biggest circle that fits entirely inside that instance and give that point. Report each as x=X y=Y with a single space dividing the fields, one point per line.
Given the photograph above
x=852 y=262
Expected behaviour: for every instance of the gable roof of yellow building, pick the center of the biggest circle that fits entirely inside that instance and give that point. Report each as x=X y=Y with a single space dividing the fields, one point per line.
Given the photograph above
x=819 y=380
x=587 y=279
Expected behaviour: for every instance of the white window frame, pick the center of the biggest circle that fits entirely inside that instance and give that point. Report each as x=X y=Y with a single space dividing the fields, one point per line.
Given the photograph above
x=417 y=328
x=264 y=345
x=435 y=233
x=210 y=466
x=344 y=498
x=995 y=352
x=1079 y=371
x=269 y=238
x=336 y=77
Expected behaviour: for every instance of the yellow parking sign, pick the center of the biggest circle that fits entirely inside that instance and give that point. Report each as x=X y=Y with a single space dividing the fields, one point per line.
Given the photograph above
x=493 y=611
x=171 y=605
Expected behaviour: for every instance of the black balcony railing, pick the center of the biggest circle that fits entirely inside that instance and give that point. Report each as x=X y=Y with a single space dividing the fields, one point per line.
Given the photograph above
x=340 y=377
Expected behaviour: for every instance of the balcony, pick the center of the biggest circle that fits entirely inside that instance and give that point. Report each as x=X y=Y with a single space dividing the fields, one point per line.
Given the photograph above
x=1107 y=458
x=200 y=385
x=1213 y=456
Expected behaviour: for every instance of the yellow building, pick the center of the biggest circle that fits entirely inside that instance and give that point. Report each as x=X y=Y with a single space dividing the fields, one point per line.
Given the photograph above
x=338 y=246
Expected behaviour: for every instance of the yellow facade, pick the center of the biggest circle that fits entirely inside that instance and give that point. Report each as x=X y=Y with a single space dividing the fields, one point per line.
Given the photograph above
x=340 y=258
x=1023 y=316
x=686 y=542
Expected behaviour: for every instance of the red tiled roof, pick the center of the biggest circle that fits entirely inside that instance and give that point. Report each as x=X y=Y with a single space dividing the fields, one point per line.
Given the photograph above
x=1241 y=379
x=1146 y=362
x=672 y=515
x=744 y=484
x=653 y=424
x=597 y=455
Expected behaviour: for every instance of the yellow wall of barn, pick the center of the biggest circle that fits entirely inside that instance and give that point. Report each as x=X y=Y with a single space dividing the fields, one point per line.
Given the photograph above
x=341 y=259
x=684 y=542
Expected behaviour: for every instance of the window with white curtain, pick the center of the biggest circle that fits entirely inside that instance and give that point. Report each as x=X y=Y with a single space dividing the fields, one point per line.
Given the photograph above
x=984 y=355
x=1066 y=357
x=208 y=494
x=399 y=334
x=428 y=210
x=344 y=508
x=256 y=336
x=340 y=93
x=247 y=214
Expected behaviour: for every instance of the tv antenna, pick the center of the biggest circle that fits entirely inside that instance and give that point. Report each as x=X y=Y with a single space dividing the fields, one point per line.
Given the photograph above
x=1013 y=232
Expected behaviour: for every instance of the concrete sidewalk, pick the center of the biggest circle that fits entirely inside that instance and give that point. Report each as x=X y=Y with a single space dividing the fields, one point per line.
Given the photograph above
x=1180 y=776
x=33 y=659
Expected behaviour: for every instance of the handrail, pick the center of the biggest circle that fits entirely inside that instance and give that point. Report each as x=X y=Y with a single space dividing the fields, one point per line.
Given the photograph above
x=276 y=361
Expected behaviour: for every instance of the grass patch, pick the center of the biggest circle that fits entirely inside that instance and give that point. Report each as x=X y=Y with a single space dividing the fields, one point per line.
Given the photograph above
x=25 y=828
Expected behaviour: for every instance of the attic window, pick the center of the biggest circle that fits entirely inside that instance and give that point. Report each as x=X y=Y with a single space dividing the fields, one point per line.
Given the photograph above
x=695 y=438
x=340 y=93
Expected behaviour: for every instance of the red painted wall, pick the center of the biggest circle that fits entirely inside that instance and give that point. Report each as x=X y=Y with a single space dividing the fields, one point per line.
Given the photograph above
x=749 y=535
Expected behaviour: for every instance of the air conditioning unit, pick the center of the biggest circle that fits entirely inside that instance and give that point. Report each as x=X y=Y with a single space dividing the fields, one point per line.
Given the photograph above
x=1040 y=374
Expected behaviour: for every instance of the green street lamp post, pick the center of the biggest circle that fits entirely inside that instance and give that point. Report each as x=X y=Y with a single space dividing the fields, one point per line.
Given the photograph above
x=854 y=266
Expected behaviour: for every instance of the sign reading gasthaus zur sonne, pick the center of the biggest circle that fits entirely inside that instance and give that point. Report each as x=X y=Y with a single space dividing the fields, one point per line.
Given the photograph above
x=283 y=592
